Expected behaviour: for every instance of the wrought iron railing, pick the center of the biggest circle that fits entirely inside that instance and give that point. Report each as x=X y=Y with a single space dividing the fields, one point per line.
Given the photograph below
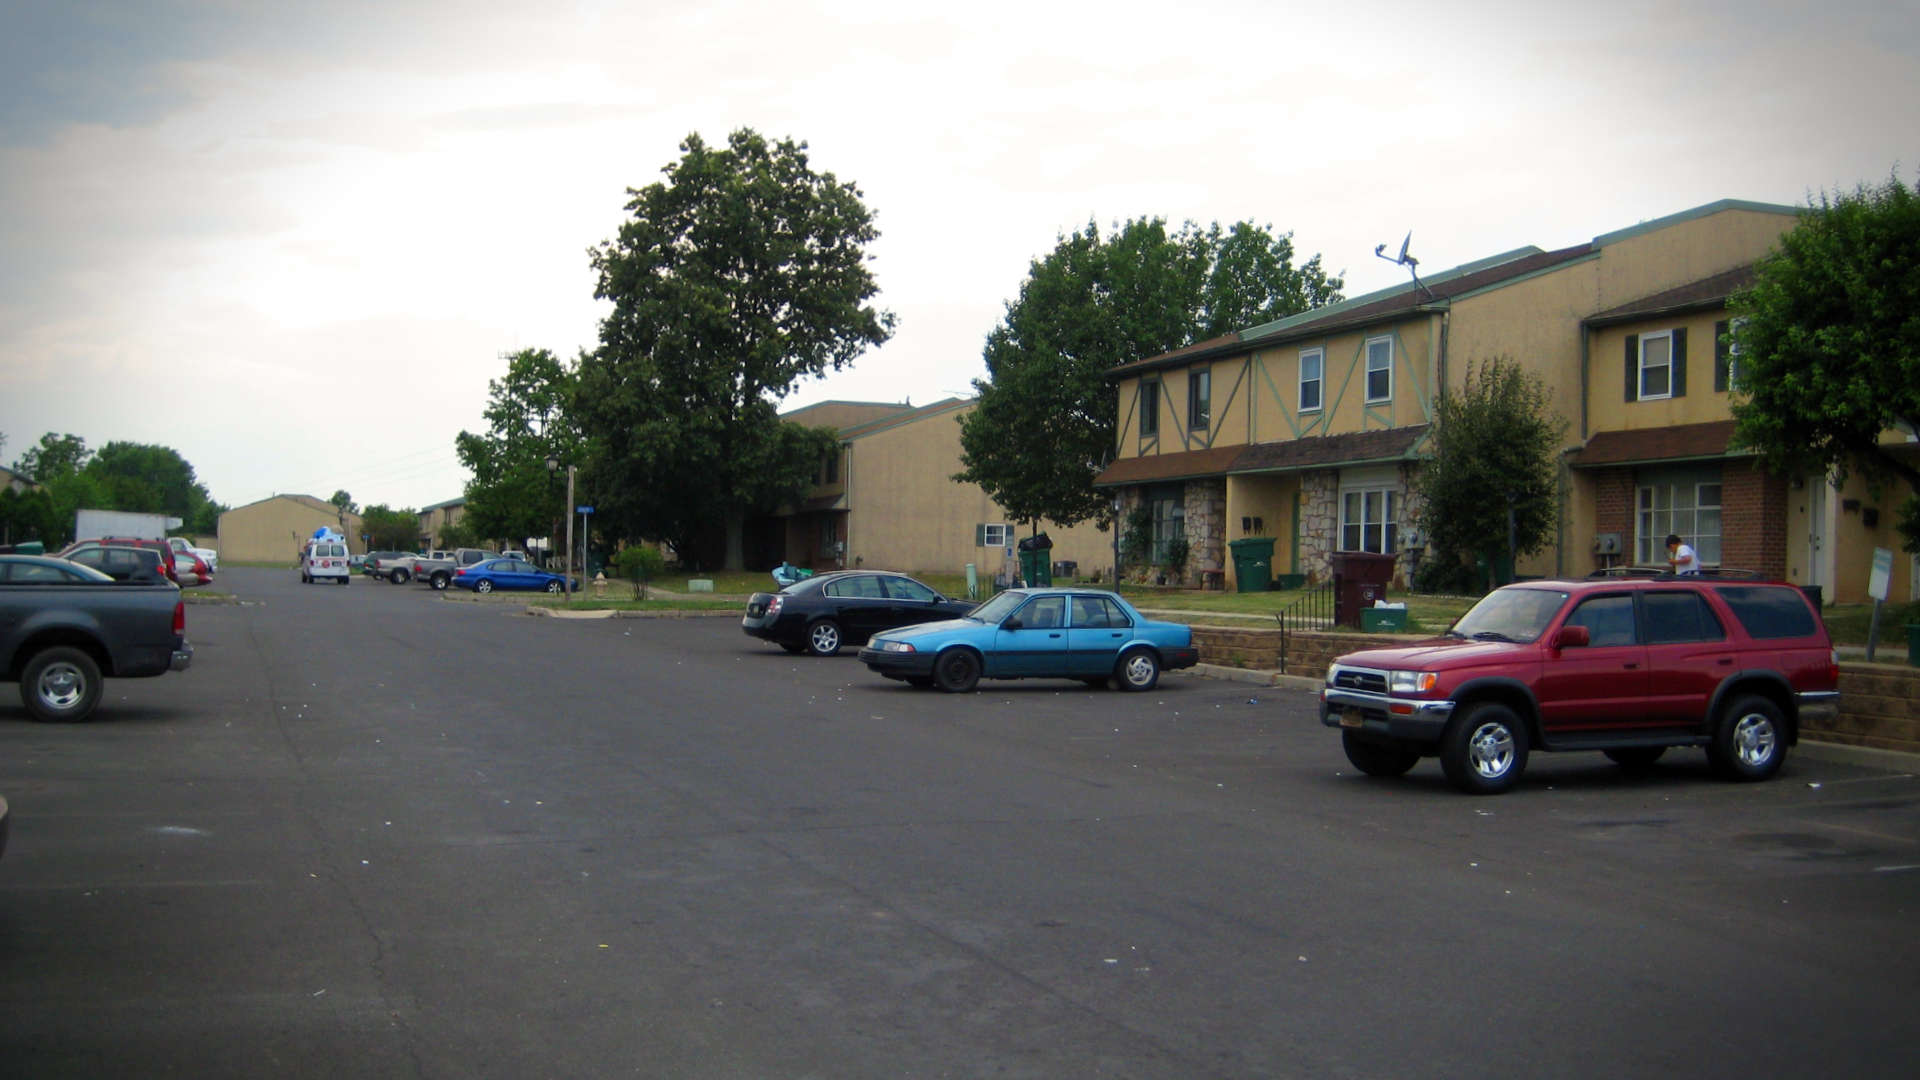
x=1312 y=611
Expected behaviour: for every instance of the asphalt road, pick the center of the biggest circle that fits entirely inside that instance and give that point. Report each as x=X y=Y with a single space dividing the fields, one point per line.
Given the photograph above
x=377 y=832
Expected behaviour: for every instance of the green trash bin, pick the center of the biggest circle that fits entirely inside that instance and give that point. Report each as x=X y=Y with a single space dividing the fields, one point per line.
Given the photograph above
x=1913 y=644
x=1252 y=563
x=1036 y=560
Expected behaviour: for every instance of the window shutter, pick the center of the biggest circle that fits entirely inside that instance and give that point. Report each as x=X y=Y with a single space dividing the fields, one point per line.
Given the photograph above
x=1679 y=361
x=979 y=536
x=1720 y=357
x=1633 y=367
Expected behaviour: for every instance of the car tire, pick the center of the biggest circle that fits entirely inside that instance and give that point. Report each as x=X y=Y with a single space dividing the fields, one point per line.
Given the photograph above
x=1485 y=749
x=483 y=586
x=1749 y=742
x=553 y=587
x=400 y=577
x=60 y=685
x=823 y=637
x=440 y=580
x=348 y=580
x=1137 y=671
x=1635 y=758
x=1376 y=760
x=957 y=671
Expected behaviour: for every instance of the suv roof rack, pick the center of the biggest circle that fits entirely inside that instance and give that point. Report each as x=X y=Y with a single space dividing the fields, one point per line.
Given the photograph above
x=1721 y=572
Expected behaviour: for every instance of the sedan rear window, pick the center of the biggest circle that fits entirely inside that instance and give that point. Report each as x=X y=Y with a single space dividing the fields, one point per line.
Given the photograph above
x=1773 y=612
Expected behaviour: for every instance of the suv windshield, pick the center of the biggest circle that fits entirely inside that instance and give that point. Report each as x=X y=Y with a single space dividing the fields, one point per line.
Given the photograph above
x=1510 y=614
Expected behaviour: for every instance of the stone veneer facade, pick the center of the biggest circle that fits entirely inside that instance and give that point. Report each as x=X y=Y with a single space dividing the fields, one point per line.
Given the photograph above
x=1206 y=510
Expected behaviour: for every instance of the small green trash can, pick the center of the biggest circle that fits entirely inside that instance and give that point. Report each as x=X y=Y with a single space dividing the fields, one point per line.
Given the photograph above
x=1383 y=620
x=1913 y=644
x=1036 y=561
x=1252 y=563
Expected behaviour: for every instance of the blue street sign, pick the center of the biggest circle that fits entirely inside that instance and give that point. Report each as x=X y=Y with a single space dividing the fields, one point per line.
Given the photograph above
x=583 y=509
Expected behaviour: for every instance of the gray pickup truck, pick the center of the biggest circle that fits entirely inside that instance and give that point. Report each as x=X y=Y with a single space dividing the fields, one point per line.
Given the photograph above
x=437 y=568
x=64 y=627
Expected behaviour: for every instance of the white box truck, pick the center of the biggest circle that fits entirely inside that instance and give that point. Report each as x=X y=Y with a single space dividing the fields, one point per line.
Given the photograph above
x=97 y=524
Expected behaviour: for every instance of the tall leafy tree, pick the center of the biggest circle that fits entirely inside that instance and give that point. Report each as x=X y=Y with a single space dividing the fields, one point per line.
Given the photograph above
x=390 y=530
x=55 y=456
x=740 y=274
x=1826 y=343
x=147 y=478
x=343 y=502
x=529 y=414
x=1494 y=447
x=1044 y=425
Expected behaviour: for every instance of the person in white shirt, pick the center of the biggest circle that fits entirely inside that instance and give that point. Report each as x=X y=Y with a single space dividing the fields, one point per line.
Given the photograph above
x=1681 y=557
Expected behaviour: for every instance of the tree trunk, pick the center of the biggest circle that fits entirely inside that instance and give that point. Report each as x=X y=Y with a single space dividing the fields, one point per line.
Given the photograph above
x=736 y=555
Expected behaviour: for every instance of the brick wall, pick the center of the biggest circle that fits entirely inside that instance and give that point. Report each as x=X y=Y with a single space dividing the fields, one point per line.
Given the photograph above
x=1753 y=520
x=1307 y=654
x=1613 y=495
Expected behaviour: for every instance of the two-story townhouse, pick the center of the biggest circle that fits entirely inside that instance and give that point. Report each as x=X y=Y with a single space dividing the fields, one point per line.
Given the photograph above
x=887 y=499
x=1657 y=458
x=1310 y=429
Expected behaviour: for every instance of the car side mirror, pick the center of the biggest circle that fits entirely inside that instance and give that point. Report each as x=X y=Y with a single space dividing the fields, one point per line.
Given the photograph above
x=1012 y=624
x=1571 y=635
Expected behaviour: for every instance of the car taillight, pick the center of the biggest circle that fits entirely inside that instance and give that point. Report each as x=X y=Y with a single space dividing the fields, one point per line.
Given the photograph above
x=462 y=572
x=179 y=616
x=773 y=605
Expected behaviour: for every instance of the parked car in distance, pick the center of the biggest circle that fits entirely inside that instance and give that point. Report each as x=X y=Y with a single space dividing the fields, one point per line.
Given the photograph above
x=123 y=562
x=64 y=627
x=207 y=555
x=436 y=569
x=1045 y=633
x=1626 y=666
x=394 y=566
x=821 y=614
x=162 y=550
x=493 y=574
x=190 y=569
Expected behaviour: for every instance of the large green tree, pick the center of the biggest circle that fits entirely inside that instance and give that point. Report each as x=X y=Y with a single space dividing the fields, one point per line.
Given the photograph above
x=740 y=274
x=512 y=495
x=54 y=456
x=1491 y=486
x=390 y=530
x=1826 y=343
x=1045 y=422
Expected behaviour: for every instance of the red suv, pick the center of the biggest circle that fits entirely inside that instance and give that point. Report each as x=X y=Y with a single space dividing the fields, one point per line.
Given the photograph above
x=1626 y=667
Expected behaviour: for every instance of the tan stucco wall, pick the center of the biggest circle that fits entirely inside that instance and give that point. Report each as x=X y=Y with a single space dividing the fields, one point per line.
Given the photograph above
x=1853 y=544
x=906 y=514
x=1635 y=264
x=271 y=530
x=1607 y=406
x=839 y=415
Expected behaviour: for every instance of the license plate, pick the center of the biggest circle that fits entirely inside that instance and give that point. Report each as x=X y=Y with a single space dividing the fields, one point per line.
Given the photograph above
x=1350 y=718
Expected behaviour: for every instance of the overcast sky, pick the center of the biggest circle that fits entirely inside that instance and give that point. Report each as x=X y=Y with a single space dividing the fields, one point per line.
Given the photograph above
x=293 y=240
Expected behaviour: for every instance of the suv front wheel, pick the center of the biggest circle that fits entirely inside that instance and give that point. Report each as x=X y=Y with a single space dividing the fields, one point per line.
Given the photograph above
x=1749 y=742
x=1375 y=759
x=1485 y=749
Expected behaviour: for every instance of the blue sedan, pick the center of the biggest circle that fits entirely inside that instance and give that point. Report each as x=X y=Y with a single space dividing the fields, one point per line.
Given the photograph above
x=510 y=573
x=1080 y=634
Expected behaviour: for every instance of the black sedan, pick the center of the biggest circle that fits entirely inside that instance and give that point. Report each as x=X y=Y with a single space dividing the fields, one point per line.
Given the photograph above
x=820 y=614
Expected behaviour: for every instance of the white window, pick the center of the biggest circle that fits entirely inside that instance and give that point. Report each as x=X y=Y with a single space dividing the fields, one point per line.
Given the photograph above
x=1369 y=520
x=1313 y=365
x=1689 y=509
x=995 y=536
x=1656 y=365
x=1379 y=370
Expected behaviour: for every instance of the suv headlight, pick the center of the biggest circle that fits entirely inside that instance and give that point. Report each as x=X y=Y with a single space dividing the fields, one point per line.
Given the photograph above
x=1412 y=682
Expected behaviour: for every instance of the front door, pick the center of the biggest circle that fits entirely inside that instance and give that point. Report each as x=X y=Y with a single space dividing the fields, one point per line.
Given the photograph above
x=1038 y=646
x=1601 y=682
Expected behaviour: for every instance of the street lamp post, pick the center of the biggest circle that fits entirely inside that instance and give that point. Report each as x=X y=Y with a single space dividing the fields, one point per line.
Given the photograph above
x=566 y=565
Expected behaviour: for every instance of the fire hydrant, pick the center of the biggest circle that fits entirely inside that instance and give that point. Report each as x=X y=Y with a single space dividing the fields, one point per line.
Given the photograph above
x=600 y=585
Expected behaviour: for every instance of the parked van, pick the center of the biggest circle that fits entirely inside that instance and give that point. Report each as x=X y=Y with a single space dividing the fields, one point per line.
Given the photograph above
x=325 y=558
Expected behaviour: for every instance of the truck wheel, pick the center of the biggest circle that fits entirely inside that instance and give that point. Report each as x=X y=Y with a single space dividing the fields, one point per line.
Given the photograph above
x=1138 y=670
x=1635 y=758
x=1748 y=742
x=60 y=684
x=1485 y=749
x=957 y=671
x=823 y=638
x=1374 y=759
x=399 y=577
x=439 y=580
